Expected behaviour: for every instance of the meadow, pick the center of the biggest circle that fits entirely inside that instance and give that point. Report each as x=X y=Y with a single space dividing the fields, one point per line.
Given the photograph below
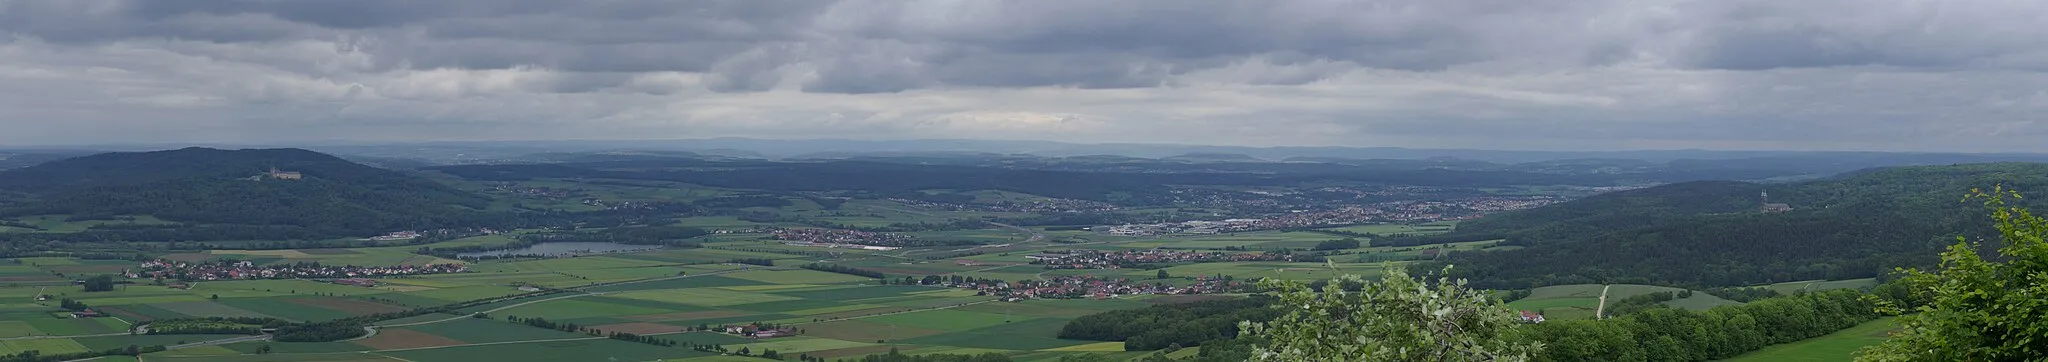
x=1838 y=346
x=670 y=293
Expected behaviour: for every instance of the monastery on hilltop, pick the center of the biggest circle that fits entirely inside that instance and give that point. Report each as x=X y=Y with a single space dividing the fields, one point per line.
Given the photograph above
x=284 y=175
x=1770 y=208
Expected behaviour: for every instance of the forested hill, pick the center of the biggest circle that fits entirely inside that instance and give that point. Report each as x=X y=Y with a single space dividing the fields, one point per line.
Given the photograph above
x=1149 y=187
x=1714 y=234
x=335 y=197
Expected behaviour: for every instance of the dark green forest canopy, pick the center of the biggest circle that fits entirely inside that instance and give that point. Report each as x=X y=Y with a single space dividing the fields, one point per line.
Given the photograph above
x=1855 y=225
x=226 y=187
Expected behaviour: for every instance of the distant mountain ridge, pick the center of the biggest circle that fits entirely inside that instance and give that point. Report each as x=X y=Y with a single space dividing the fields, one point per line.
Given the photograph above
x=213 y=186
x=1856 y=225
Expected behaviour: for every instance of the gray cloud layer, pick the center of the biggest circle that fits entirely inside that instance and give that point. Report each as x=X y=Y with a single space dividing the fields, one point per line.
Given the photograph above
x=1818 y=74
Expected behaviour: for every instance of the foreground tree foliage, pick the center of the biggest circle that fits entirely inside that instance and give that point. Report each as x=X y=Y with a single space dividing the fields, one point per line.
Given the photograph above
x=1168 y=325
x=1397 y=318
x=1662 y=333
x=1977 y=309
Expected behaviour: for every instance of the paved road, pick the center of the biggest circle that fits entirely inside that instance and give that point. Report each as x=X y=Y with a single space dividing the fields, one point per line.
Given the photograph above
x=1035 y=235
x=1601 y=311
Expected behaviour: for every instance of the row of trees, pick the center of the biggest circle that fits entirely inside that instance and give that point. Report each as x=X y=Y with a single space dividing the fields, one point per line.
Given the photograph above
x=1670 y=334
x=72 y=305
x=1338 y=244
x=1742 y=294
x=753 y=261
x=842 y=269
x=38 y=356
x=203 y=327
x=635 y=338
x=1165 y=325
x=99 y=283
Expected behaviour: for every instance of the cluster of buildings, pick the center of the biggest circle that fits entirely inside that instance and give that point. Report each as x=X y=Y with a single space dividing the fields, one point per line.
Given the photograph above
x=1509 y=203
x=1049 y=205
x=842 y=236
x=398 y=235
x=453 y=233
x=231 y=270
x=285 y=175
x=534 y=192
x=744 y=231
x=1383 y=212
x=838 y=245
x=1099 y=259
x=618 y=205
x=1099 y=287
x=1196 y=227
x=758 y=331
x=1360 y=204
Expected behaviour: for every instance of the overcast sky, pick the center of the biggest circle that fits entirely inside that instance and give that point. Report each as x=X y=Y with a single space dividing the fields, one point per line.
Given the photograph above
x=1948 y=75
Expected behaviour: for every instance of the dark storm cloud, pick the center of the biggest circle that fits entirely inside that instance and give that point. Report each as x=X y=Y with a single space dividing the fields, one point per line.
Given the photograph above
x=1750 y=35
x=886 y=46
x=853 y=46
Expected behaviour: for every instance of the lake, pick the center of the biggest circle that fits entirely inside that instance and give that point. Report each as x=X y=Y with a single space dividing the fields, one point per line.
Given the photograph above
x=561 y=248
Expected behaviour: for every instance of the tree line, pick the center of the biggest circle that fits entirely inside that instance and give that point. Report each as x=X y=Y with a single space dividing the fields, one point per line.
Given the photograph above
x=38 y=356
x=753 y=261
x=1713 y=234
x=842 y=269
x=1671 y=334
x=1164 y=325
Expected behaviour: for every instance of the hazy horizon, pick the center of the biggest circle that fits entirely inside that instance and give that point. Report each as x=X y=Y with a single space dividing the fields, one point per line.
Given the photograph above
x=657 y=144
x=1954 y=76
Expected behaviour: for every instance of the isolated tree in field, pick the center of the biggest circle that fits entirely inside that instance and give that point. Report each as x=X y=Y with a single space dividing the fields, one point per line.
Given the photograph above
x=1163 y=274
x=1979 y=310
x=99 y=283
x=1395 y=319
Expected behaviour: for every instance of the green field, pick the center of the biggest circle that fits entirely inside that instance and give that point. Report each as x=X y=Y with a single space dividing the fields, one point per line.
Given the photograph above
x=1820 y=285
x=797 y=277
x=486 y=331
x=46 y=346
x=949 y=320
x=703 y=296
x=597 y=349
x=1838 y=346
x=578 y=308
x=842 y=316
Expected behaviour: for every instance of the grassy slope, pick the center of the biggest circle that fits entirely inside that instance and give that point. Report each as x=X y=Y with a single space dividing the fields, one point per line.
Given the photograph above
x=1839 y=346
